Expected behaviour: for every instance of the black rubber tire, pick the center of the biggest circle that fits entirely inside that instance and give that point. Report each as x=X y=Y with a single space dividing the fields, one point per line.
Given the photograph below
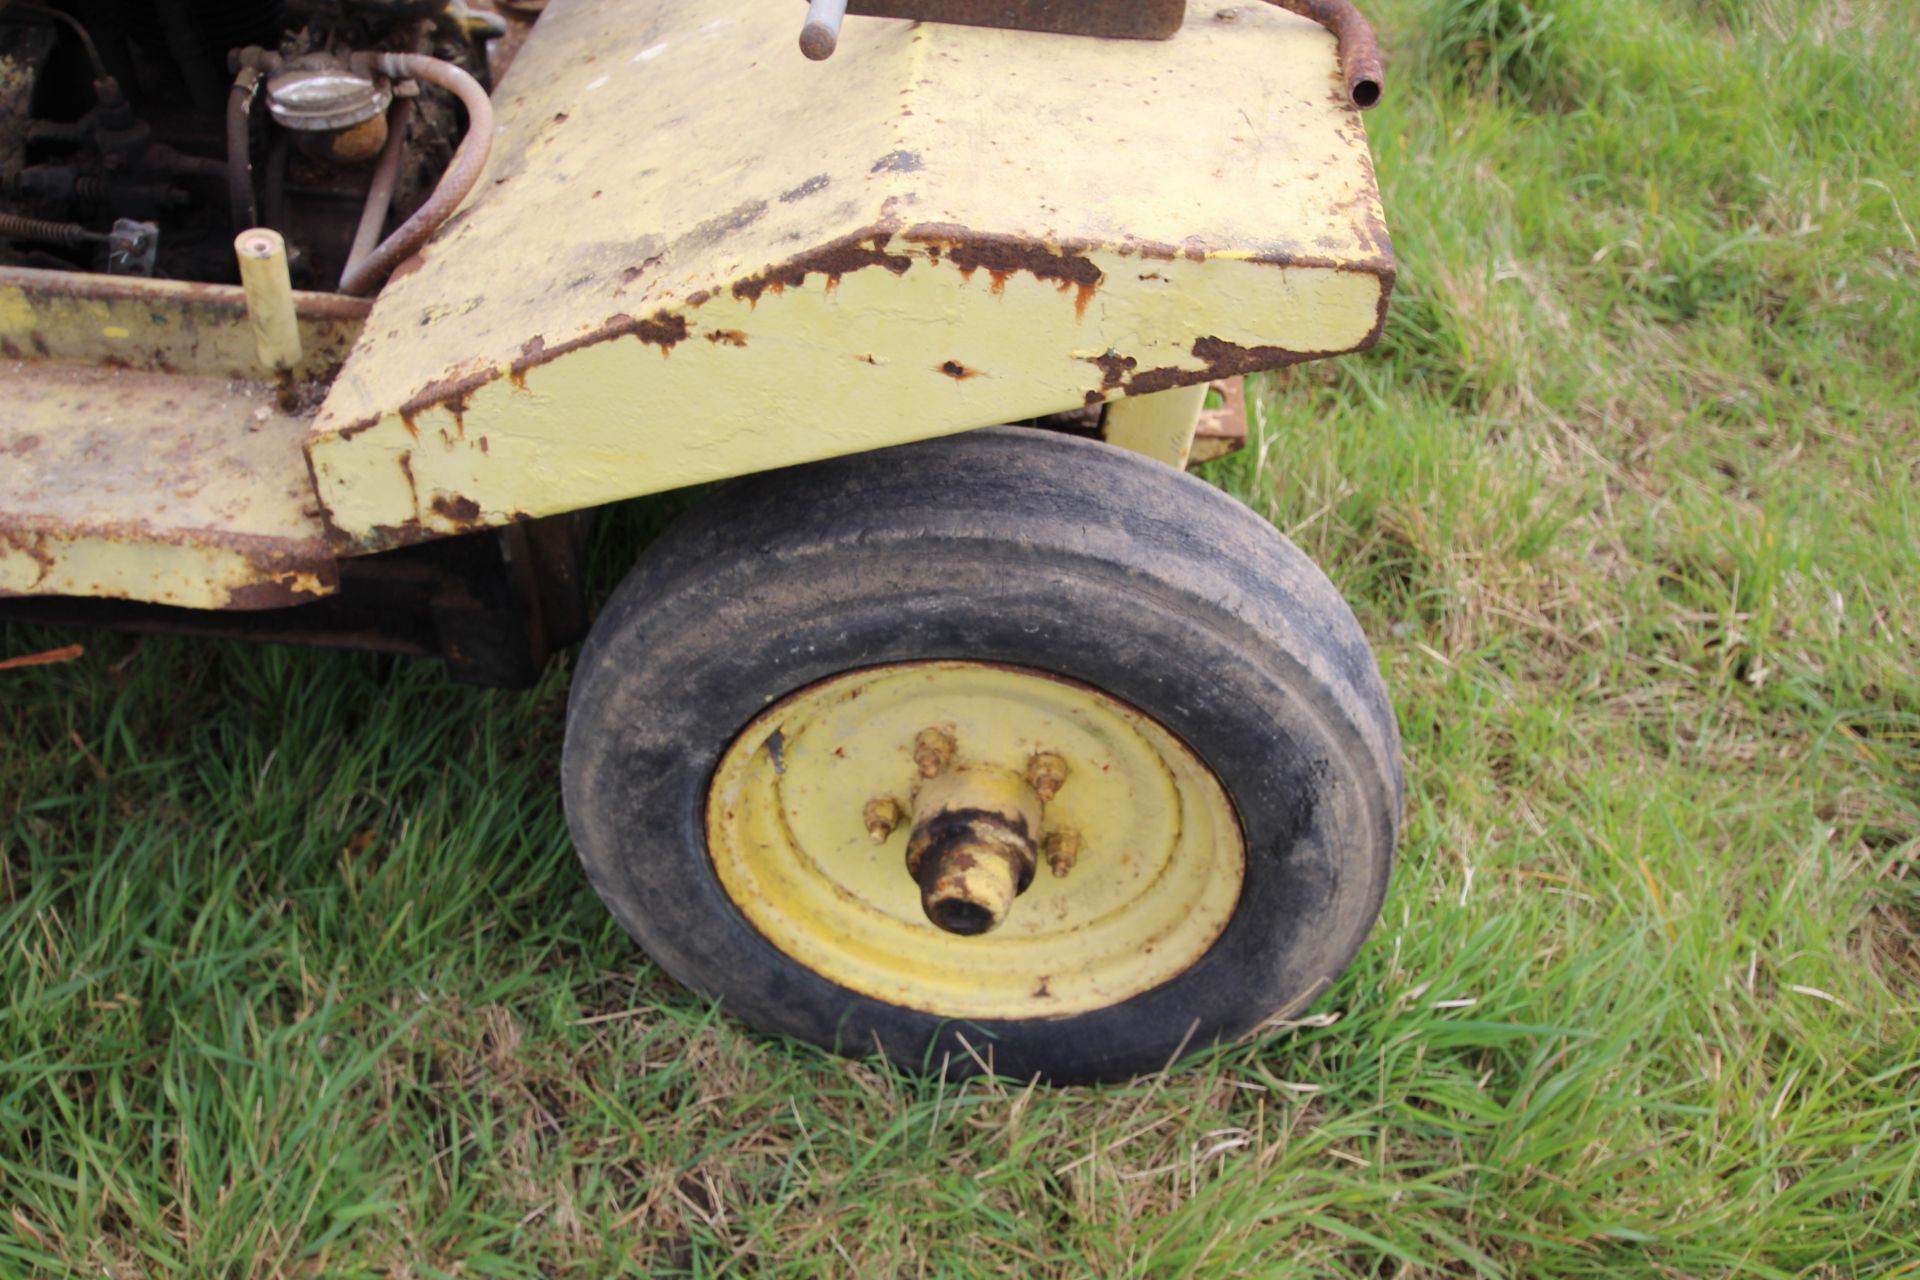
x=1012 y=546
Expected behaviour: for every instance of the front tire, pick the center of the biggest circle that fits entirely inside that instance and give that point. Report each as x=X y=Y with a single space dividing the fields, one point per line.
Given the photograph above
x=1001 y=550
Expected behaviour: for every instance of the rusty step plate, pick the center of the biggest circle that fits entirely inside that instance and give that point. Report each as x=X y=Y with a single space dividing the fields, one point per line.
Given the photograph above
x=139 y=484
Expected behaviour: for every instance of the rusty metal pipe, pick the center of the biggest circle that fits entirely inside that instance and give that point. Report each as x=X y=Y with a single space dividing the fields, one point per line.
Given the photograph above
x=386 y=175
x=240 y=202
x=459 y=179
x=70 y=234
x=821 y=35
x=1359 y=48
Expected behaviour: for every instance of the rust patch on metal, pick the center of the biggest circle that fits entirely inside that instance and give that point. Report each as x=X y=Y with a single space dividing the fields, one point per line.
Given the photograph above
x=1001 y=256
x=405 y=459
x=454 y=394
x=457 y=508
x=957 y=371
x=1223 y=359
x=731 y=337
x=851 y=253
x=1147 y=381
x=385 y=536
x=34 y=547
x=532 y=352
x=1114 y=369
x=1224 y=430
x=282 y=592
x=662 y=329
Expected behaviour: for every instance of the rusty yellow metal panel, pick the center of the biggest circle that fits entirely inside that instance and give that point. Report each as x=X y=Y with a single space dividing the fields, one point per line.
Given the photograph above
x=1160 y=425
x=697 y=254
x=162 y=325
x=142 y=455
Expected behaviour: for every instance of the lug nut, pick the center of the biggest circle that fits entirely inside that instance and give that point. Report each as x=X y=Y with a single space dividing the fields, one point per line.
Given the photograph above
x=933 y=751
x=1046 y=774
x=1063 y=850
x=881 y=817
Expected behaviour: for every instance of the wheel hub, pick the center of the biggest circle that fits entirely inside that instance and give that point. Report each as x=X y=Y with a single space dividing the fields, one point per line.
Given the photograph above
x=885 y=828
x=974 y=846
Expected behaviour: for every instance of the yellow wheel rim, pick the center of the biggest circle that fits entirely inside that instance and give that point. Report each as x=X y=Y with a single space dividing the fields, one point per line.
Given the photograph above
x=1157 y=877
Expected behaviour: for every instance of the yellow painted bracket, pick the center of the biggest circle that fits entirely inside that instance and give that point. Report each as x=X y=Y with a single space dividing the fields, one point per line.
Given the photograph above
x=696 y=254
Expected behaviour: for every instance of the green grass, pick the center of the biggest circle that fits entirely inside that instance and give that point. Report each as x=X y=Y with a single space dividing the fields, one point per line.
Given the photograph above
x=298 y=975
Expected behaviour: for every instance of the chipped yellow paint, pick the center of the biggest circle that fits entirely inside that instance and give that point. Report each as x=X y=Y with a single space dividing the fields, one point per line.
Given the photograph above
x=203 y=576
x=1158 y=875
x=665 y=279
x=1160 y=425
x=142 y=458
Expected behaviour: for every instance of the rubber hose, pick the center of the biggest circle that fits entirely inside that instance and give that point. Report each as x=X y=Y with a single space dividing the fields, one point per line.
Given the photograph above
x=469 y=160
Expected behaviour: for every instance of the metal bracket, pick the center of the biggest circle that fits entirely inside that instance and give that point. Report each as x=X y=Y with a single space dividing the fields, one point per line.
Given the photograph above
x=1140 y=20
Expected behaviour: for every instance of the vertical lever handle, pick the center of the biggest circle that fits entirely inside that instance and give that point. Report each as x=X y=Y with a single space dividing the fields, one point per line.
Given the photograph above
x=822 y=32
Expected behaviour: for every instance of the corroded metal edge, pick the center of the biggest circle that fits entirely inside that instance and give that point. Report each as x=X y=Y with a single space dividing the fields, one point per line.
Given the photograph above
x=225 y=570
x=166 y=326
x=1065 y=265
x=890 y=248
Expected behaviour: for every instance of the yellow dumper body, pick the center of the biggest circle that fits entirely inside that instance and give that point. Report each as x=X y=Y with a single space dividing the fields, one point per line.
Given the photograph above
x=694 y=255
